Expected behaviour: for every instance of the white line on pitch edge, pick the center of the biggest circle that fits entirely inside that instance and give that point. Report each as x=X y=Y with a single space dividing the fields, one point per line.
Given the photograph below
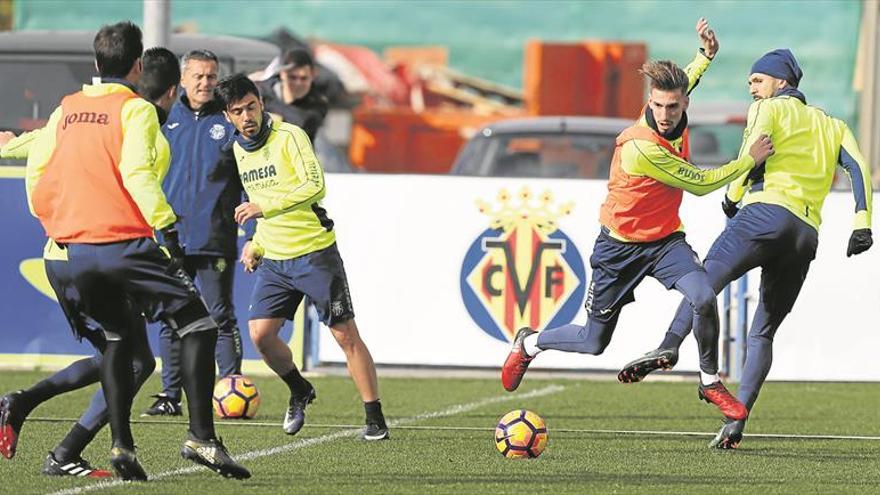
x=308 y=442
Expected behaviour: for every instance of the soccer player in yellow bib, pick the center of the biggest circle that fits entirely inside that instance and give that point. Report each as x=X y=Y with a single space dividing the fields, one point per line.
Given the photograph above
x=293 y=251
x=777 y=228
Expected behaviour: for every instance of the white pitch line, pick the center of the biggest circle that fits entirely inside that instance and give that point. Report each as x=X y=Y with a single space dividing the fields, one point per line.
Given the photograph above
x=266 y=424
x=308 y=442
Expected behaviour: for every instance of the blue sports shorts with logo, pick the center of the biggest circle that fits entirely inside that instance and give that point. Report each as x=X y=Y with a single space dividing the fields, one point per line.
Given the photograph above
x=619 y=267
x=281 y=285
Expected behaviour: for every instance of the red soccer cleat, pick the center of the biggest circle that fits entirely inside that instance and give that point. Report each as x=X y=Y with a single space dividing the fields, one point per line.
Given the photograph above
x=517 y=361
x=11 y=420
x=8 y=441
x=729 y=405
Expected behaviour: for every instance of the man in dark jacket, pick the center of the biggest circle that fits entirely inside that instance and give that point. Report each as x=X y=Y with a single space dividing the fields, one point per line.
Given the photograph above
x=203 y=188
x=291 y=92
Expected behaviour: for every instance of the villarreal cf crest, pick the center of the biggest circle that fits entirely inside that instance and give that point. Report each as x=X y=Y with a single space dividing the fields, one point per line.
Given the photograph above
x=523 y=270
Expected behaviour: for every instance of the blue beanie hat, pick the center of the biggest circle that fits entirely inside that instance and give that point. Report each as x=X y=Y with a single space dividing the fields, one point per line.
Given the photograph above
x=780 y=64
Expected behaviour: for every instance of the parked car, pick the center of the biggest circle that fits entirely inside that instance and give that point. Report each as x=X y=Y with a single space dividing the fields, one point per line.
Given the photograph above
x=565 y=147
x=716 y=131
x=37 y=68
x=581 y=147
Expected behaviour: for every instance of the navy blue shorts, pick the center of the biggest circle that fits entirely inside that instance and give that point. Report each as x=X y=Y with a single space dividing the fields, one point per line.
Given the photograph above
x=619 y=267
x=113 y=278
x=281 y=285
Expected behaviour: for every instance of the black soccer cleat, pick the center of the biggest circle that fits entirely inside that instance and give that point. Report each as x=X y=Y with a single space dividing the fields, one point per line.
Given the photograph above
x=376 y=429
x=730 y=435
x=296 y=411
x=77 y=467
x=13 y=412
x=164 y=406
x=636 y=370
x=126 y=465
x=213 y=455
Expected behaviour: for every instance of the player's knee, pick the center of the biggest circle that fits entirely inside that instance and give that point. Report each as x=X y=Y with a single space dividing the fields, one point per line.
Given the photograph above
x=760 y=338
x=704 y=303
x=346 y=334
x=262 y=336
x=260 y=339
x=594 y=348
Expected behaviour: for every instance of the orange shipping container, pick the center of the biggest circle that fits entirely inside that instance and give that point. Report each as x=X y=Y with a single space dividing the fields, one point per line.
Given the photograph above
x=401 y=140
x=587 y=78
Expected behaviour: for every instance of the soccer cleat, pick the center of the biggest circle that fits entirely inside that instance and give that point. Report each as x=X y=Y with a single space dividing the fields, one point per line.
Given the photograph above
x=126 y=465
x=164 y=406
x=213 y=455
x=296 y=411
x=729 y=405
x=517 y=361
x=636 y=371
x=78 y=467
x=730 y=435
x=12 y=416
x=376 y=430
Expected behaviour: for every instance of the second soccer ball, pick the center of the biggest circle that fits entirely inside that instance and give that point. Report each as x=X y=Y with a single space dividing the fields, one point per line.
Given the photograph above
x=236 y=397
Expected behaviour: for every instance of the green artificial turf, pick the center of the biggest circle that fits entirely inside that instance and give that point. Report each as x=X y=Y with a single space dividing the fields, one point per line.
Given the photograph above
x=443 y=441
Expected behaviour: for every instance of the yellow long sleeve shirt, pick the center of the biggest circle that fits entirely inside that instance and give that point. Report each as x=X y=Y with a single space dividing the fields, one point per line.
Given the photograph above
x=286 y=181
x=808 y=145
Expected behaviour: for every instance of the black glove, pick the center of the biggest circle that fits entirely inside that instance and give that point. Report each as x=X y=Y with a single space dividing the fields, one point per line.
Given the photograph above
x=729 y=207
x=171 y=243
x=859 y=242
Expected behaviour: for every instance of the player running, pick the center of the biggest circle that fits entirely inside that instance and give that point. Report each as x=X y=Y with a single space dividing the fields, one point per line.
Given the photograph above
x=293 y=252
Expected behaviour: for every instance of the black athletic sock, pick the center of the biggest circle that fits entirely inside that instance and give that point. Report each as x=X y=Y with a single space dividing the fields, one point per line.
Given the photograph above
x=373 y=411
x=298 y=385
x=671 y=341
x=74 y=443
x=197 y=366
x=79 y=374
x=117 y=379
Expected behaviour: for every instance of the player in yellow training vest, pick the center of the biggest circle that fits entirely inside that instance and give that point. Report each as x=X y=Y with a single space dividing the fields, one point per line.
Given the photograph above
x=293 y=251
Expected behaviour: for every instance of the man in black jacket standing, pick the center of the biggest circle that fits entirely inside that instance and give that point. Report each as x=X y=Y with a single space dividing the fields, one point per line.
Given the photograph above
x=292 y=94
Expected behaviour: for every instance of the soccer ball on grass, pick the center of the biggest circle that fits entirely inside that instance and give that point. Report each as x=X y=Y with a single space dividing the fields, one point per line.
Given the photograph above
x=236 y=397
x=521 y=434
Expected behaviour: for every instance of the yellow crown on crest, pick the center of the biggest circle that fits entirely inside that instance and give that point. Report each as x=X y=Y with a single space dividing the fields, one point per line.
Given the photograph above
x=539 y=214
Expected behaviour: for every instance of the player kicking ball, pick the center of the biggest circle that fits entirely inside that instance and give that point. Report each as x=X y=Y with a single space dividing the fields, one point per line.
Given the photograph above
x=293 y=251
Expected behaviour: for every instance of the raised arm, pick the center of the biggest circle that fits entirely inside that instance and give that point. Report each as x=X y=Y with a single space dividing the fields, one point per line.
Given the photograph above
x=698 y=66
